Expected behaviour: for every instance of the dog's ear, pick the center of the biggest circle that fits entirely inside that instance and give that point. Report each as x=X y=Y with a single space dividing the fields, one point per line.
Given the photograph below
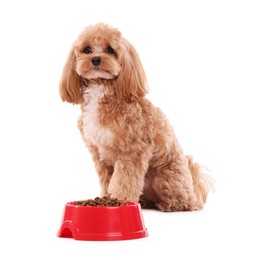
x=70 y=84
x=131 y=82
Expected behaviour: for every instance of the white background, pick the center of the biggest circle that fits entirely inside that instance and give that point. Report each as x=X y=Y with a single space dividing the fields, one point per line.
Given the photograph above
x=202 y=60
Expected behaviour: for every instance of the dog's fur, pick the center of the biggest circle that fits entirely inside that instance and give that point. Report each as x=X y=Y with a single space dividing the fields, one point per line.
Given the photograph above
x=136 y=154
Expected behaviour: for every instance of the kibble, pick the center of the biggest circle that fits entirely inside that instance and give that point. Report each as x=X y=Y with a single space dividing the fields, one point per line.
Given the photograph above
x=106 y=201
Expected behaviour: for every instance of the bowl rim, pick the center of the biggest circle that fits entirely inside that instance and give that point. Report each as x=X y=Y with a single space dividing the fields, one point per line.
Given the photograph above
x=130 y=203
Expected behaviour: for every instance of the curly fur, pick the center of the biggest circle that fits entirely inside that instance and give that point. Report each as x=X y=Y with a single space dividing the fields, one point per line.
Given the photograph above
x=136 y=153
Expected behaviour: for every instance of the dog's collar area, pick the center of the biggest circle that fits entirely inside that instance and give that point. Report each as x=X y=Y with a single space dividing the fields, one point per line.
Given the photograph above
x=86 y=83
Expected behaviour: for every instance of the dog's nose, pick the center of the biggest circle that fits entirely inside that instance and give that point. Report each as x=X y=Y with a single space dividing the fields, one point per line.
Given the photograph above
x=96 y=60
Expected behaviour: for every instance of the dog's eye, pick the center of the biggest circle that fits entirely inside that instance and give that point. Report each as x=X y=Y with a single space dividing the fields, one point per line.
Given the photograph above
x=87 y=50
x=110 y=50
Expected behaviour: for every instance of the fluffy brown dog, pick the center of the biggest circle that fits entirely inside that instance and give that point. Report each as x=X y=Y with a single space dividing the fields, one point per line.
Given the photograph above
x=135 y=151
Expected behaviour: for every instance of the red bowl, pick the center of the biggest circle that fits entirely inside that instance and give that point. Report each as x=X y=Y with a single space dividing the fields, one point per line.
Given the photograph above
x=103 y=223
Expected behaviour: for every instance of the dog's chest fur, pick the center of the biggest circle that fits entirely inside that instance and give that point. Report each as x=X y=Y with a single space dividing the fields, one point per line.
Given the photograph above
x=94 y=132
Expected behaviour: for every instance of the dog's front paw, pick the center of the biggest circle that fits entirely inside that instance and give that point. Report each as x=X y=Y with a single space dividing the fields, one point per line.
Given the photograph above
x=104 y=194
x=173 y=205
x=124 y=196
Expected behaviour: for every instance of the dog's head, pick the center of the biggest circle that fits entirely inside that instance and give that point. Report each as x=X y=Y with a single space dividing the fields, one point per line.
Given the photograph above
x=100 y=52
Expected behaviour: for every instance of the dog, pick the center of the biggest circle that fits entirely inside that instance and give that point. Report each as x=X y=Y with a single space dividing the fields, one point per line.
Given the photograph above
x=135 y=151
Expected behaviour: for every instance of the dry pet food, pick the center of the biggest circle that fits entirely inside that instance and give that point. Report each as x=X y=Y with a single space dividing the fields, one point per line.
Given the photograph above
x=101 y=202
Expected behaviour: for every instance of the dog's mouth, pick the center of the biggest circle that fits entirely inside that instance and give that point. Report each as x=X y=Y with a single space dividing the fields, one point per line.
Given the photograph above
x=99 y=73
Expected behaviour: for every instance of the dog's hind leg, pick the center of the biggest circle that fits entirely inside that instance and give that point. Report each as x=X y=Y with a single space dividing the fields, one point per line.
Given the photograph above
x=174 y=187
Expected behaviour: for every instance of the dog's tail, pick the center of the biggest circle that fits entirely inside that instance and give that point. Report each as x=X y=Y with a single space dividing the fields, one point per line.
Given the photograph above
x=202 y=182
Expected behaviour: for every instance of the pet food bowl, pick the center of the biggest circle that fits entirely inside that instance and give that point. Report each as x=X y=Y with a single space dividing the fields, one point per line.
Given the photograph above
x=99 y=223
